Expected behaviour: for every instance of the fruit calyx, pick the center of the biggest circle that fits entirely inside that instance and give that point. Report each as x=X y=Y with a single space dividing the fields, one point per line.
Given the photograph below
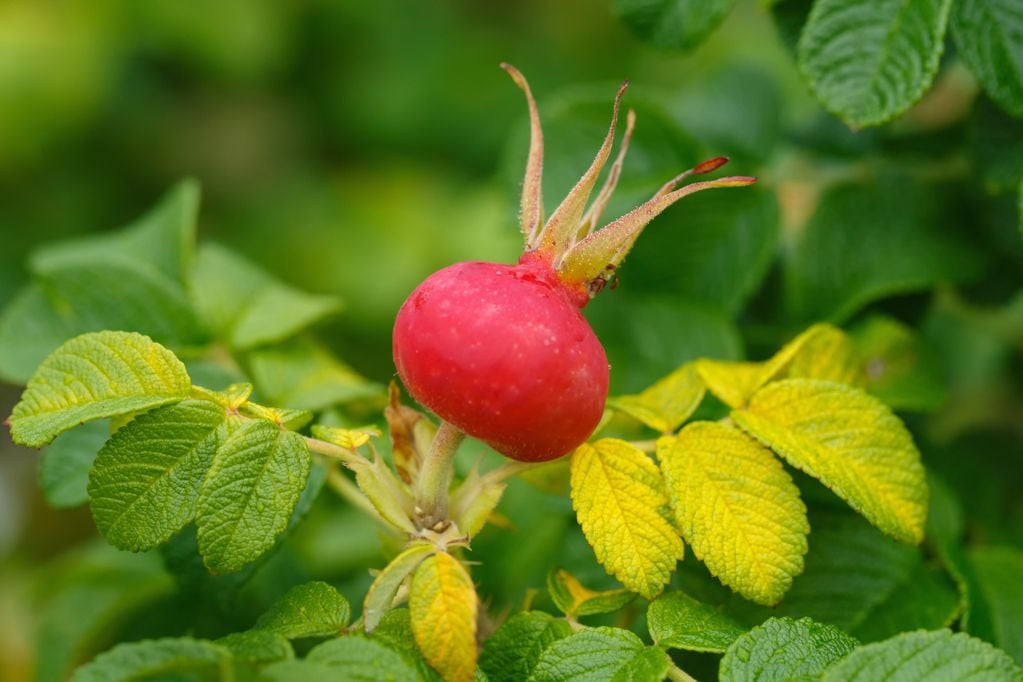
x=583 y=256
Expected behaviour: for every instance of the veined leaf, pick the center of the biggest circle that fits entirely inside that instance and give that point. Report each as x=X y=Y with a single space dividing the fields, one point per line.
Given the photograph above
x=361 y=659
x=935 y=656
x=849 y=441
x=395 y=632
x=255 y=480
x=443 y=606
x=678 y=621
x=574 y=599
x=293 y=420
x=145 y=482
x=989 y=37
x=257 y=646
x=784 y=649
x=346 y=438
x=674 y=24
x=103 y=374
x=64 y=467
x=246 y=307
x=869 y=61
x=511 y=653
x=600 y=655
x=380 y=597
x=734 y=383
x=668 y=403
x=736 y=507
x=830 y=355
x=164 y=657
x=309 y=610
x=618 y=495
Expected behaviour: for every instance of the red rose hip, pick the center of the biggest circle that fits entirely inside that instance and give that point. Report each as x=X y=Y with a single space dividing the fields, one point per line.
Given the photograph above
x=502 y=352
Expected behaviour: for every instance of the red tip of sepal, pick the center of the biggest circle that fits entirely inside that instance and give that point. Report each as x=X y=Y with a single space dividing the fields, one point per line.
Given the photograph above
x=710 y=165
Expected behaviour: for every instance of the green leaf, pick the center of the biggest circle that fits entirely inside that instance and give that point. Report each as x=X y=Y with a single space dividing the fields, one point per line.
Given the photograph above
x=829 y=354
x=310 y=610
x=996 y=573
x=253 y=484
x=863 y=582
x=303 y=375
x=575 y=600
x=849 y=441
x=784 y=649
x=899 y=368
x=736 y=507
x=677 y=621
x=668 y=403
x=163 y=658
x=395 y=632
x=93 y=376
x=618 y=495
x=257 y=646
x=731 y=239
x=64 y=466
x=512 y=652
x=246 y=307
x=867 y=242
x=30 y=329
x=145 y=482
x=380 y=597
x=869 y=61
x=598 y=654
x=989 y=37
x=362 y=658
x=672 y=24
x=995 y=143
x=164 y=238
x=935 y=656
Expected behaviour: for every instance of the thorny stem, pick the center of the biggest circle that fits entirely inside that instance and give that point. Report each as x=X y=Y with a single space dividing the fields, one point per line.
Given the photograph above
x=676 y=674
x=434 y=479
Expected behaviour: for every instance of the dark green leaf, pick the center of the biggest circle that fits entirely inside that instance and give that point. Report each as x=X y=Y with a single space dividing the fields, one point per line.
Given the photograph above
x=256 y=478
x=257 y=646
x=395 y=632
x=145 y=483
x=182 y=658
x=511 y=653
x=362 y=658
x=673 y=24
x=996 y=575
x=933 y=656
x=784 y=649
x=867 y=242
x=311 y=610
x=989 y=35
x=64 y=466
x=678 y=621
x=871 y=60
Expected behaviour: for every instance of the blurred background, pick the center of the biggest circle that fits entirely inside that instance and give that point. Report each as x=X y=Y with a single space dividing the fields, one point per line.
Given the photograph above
x=352 y=148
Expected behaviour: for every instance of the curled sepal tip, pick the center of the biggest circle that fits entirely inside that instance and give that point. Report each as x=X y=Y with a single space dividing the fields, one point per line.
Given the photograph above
x=531 y=208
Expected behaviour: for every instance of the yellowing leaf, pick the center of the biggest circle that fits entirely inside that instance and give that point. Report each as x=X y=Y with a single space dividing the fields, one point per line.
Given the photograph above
x=851 y=442
x=575 y=599
x=737 y=507
x=346 y=438
x=668 y=403
x=442 y=607
x=618 y=494
x=734 y=383
x=384 y=589
x=831 y=355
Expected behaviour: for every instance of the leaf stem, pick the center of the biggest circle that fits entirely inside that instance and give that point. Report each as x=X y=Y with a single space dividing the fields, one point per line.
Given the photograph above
x=676 y=674
x=431 y=486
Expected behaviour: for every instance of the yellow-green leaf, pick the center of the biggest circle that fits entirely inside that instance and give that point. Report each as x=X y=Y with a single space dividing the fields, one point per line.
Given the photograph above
x=734 y=383
x=575 y=599
x=831 y=355
x=442 y=605
x=665 y=405
x=346 y=438
x=736 y=507
x=618 y=496
x=92 y=376
x=851 y=442
x=384 y=589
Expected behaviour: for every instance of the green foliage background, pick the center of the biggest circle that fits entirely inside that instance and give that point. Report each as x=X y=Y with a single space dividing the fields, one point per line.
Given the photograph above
x=351 y=148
